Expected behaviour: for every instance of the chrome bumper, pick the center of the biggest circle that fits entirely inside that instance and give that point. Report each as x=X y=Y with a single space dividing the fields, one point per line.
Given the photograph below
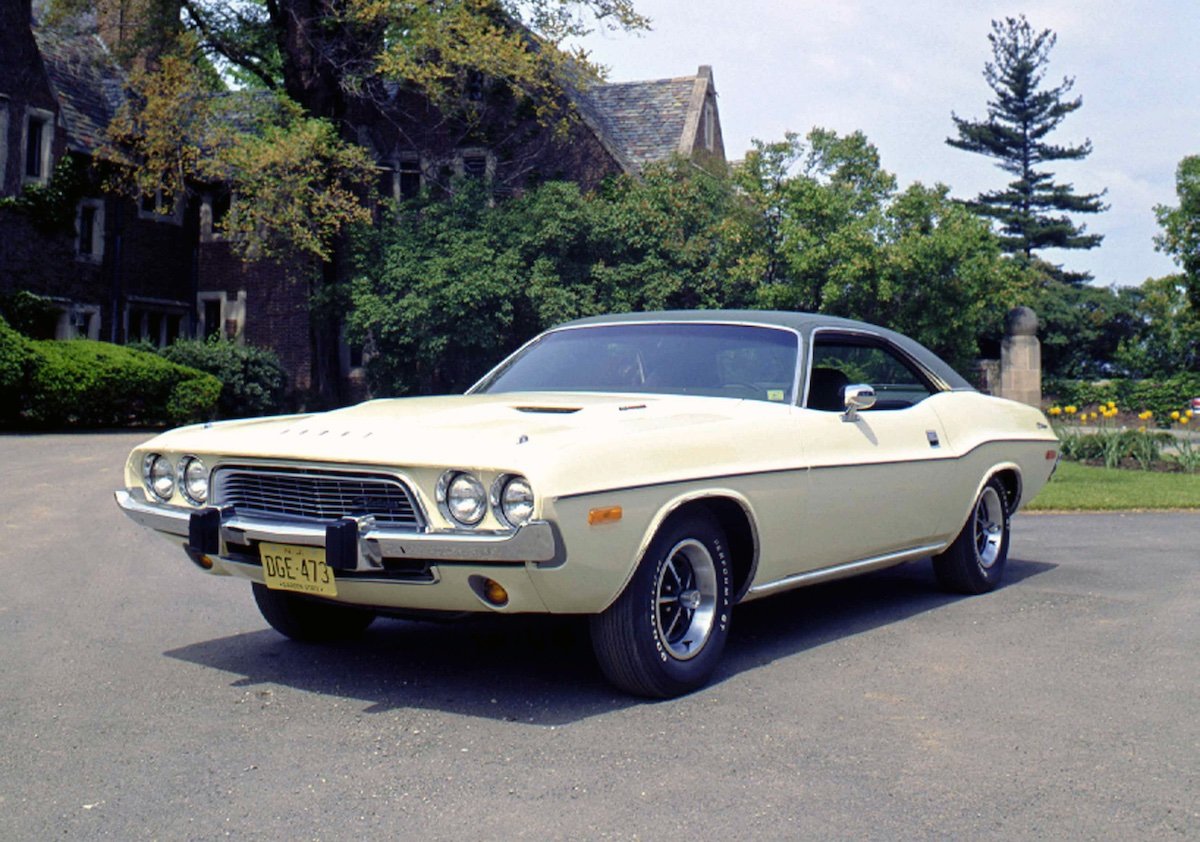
x=533 y=542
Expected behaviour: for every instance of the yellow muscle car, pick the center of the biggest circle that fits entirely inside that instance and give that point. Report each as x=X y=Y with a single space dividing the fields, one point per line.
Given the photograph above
x=649 y=470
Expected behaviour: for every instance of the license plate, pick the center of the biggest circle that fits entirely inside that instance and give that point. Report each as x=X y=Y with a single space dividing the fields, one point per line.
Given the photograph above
x=300 y=569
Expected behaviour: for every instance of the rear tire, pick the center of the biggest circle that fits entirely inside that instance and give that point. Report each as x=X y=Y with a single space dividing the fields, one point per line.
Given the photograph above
x=310 y=620
x=665 y=633
x=974 y=563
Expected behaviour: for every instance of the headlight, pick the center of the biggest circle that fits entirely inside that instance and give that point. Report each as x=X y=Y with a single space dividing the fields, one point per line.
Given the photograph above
x=463 y=497
x=193 y=480
x=512 y=498
x=159 y=476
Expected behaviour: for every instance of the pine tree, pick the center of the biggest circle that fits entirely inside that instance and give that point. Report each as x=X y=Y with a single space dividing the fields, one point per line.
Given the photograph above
x=1032 y=211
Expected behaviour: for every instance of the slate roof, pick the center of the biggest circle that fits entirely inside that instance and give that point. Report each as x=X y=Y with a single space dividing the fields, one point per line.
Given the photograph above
x=637 y=122
x=644 y=120
x=86 y=81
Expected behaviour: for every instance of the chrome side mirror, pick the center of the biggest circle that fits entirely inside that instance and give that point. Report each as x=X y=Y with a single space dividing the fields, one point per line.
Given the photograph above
x=858 y=396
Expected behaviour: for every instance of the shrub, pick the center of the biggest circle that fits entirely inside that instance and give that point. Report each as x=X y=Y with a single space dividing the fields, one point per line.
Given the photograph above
x=193 y=398
x=30 y=314
x=253 y=379
x=1159 y=396
x=91 y=384
x=15 y=358
x=1164 y=396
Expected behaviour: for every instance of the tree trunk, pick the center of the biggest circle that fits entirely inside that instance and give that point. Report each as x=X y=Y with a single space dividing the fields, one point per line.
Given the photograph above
x=310 y=47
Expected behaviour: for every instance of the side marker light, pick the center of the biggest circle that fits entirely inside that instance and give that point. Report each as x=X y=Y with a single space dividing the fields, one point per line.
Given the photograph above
x=611 y=514
x=494 y=593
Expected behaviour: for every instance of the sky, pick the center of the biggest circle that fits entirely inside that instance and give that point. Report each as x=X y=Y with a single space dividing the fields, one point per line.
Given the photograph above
x=896 y=70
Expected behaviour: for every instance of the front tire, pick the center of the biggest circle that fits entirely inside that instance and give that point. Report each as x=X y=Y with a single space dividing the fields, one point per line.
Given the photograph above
x=310 y=620
x=665 y=633
x=974 y=563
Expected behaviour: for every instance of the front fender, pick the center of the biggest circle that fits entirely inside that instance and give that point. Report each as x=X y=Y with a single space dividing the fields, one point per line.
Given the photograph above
x=599 y=560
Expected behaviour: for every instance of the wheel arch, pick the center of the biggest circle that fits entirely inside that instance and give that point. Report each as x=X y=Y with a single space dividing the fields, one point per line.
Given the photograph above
x=735 y=516
x=1009 y=475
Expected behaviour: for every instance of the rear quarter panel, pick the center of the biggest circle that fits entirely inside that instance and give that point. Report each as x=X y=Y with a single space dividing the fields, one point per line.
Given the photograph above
x=989 y=434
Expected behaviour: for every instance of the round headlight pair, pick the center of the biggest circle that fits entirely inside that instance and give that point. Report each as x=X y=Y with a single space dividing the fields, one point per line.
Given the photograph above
x=160 y=477
x=464 y=499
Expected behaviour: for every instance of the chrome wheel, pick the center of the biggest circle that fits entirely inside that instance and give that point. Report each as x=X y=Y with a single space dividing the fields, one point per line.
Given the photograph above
x=686 y=599
x=664 y=634
x=989 y=527
x=974 y=563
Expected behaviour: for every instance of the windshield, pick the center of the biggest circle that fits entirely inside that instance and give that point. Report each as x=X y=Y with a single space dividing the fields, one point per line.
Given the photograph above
x=720 y=360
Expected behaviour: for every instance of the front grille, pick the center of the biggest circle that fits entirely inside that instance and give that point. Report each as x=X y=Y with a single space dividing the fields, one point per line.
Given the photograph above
x=316 y=495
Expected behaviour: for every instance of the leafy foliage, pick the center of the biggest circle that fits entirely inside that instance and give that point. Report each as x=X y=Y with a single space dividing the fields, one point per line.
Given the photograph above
x=1032 y=211
x=452 y=286
x=449 y=288
x=1180 y=235
x=253 y=381
x=297 y=182
x=33 y=315
x=15 y=360
x=1160 y=396
x=836 y=237
x=51 y=206
x=1166 y=336
x=1081 y=327
x=95 y=384
x=298 y=173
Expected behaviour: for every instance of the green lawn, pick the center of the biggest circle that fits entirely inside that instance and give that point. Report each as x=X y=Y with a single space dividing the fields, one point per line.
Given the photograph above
x=1082 y=487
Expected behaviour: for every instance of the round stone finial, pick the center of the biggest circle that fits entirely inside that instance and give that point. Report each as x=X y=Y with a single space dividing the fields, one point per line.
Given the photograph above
x=1021 y=321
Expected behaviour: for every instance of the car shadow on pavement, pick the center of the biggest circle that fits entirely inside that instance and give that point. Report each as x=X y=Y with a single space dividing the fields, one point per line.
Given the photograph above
x=540 y=670
x=805 y=618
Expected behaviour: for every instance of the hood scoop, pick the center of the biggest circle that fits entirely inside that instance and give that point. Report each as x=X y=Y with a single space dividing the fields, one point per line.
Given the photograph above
x=549 y=410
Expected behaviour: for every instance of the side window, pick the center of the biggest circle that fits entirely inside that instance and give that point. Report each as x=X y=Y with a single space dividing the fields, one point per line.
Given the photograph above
x=840 y=362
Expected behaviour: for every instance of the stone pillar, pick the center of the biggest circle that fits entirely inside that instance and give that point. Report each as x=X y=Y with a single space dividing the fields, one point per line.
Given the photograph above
x=1021 y=358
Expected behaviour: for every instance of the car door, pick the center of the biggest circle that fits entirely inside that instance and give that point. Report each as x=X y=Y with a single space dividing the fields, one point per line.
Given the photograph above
x=875 y=484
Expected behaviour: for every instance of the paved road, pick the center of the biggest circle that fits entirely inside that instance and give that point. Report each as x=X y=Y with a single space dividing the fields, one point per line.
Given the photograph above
x=142 y=700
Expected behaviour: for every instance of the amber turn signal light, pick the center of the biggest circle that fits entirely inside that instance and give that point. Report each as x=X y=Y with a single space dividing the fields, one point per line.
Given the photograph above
x=494 y=593
x=610 y=514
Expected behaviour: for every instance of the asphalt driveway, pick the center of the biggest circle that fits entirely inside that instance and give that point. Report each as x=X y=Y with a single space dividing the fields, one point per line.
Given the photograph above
x=142 y=699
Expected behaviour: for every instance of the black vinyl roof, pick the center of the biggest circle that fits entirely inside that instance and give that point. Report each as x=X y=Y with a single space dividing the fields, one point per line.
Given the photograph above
x=802 y=323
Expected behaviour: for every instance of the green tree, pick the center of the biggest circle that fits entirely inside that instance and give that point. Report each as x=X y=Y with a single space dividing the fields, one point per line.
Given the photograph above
x=1180 y=237
x=1167 y=337
x=822 y=228
x=1080 y=326
x=1033 y=211
x=292 y=156
x=453 y=286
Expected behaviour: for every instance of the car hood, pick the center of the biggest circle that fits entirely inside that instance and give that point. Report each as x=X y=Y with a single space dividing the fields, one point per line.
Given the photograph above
x=538 y=434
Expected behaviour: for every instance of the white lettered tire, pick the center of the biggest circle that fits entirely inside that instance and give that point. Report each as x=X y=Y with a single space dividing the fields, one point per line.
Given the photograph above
x=664 y=635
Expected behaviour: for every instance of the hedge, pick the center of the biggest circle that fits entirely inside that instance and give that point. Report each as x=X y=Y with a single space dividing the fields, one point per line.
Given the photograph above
x=1159 y=396
x=44 y=383
x=15 y=361
x=254 y=382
